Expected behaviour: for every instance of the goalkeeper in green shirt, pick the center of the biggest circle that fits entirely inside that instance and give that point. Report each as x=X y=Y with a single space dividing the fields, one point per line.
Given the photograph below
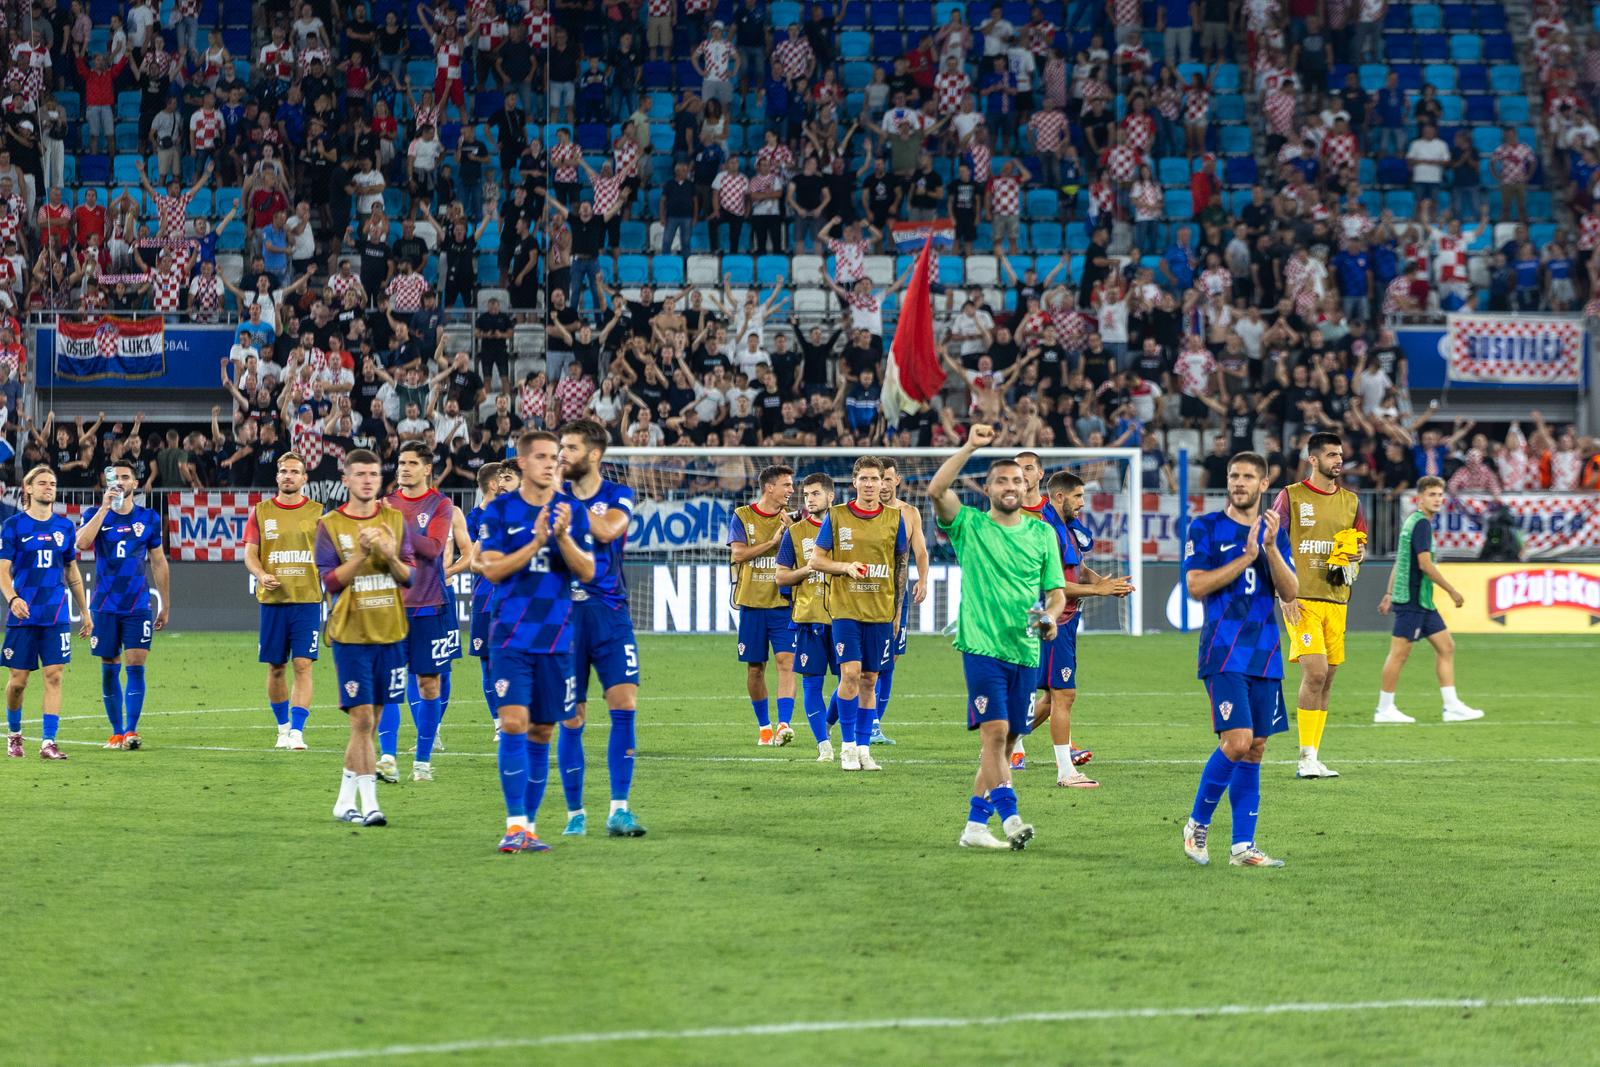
x=1410 y=596
x=1008 y=562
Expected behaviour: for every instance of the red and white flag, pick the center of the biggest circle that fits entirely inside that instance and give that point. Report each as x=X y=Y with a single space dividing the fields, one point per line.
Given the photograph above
x=915 y=374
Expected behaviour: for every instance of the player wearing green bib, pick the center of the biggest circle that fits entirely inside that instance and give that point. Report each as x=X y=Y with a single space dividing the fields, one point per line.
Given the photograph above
x=1008 y=561
x=1411 y=586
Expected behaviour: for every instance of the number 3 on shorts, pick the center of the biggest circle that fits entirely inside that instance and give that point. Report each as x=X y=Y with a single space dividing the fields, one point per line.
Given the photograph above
x=397 y=681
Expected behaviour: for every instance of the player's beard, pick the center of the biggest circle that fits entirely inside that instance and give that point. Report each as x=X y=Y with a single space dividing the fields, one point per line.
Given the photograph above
x=998 y=504
x=1251 y=502
x=575 y=471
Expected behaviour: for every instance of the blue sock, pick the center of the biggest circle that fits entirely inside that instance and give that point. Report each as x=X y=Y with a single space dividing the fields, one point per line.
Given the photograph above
x=14 y=720
x=488 y=690
x=111 y=693
x=569 y=760
x=538 y=778
x=619 y=752
x=816 y=707
x=414 y=701
x=1244 y=797
x=1004 y=799
x=135 y=700
x=280 y=711
x=51 y=724
x=444 y=696
x=849 y=708
x=885 y=690
x=981 y=810
x=298 y=717
x=833 y=706
x=389 y=730
x=785 y=709
x=1213 y=782
x=513 y=770
x=428 y=729
x=864 y=720
x=763 y=718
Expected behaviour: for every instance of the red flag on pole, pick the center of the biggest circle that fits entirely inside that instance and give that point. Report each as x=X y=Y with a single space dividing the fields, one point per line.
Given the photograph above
x=915 y=374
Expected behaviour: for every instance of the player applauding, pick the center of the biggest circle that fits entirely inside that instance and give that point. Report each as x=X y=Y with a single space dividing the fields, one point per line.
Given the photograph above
x=38 y=564
x=808 y=598
x=124 y=536
x=493 y=479
x=889 y=491
x=862 y=546
x=1008 y=562
x=280 y=553
x=764 y=621
x=535 y=544
x=1236 y=559
x=364 y=557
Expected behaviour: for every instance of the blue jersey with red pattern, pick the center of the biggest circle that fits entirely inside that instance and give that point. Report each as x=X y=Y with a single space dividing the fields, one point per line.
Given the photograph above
x=1240 y=635
x=121 y=549
x=480 y=585
x=610 y=585
x=428 y=522
x=39 y=551
x=532 y=609
x=1074 y=539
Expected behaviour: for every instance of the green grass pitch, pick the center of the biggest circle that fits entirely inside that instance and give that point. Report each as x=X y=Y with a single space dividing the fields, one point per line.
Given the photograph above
x=194 y=901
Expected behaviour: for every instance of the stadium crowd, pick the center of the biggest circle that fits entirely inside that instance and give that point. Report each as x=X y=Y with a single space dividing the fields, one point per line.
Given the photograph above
x=702 y=250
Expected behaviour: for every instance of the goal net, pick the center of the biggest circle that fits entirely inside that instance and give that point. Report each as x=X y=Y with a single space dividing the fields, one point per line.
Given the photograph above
x=678 y=573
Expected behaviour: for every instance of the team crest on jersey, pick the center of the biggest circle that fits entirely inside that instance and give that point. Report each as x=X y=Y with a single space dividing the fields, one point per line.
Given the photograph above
x=350 y=688
x=804 y=658
x=94 y=642
x=741 y=648
x=501 y=687
x=1188 y=549
x=1066 y=674
x=599 y=507
x=1308 y=513
x=981 y=703
x=8 y=653
x=1083 y=539
x=138 y=529
x=1305 y=639
x=838 y=648
x=422 y=520
x=59 y=540
x=1225 y=709
x=477 y=644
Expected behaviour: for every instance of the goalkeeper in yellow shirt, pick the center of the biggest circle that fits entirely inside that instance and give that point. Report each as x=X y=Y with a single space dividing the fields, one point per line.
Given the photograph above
x=1328 y=533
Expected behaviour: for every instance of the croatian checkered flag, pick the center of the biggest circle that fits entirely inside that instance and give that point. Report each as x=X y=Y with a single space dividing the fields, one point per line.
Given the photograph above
x=106 y=339
x=308 y=442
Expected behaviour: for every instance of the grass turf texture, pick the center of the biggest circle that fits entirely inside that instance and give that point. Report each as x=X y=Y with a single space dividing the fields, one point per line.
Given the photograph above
x=181 y=904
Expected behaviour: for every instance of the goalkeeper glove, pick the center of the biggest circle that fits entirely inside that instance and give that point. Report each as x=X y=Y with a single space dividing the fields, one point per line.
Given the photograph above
x=1342 y=564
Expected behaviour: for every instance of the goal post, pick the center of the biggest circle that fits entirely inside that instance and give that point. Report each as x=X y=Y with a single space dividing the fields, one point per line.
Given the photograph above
x=677 y=565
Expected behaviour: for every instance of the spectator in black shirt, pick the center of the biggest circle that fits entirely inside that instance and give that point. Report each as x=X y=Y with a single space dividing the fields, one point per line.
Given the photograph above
x=408 y=247
x=809 y=198
x=461 y=472
x=510 y=129
x=965 y=196
x=677 y=210
x=927 y=191
x=493 y=331
x=880 y=195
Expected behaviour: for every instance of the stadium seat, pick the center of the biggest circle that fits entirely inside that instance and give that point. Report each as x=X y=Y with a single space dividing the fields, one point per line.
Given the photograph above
x=1541 y=233
x=805 y=269
x=704 y=270
x=785 y=12
x=1451 y=107
x=1472 y=78
x=1432 y=47
x=1401 y=202
x=981 y=270
x=488 y=269
x=740 y=270
x=1045 y=237
x=94 y=169
x=1042 y=203
x=634 y=234
x=1172 y=170
x=1178 y=204
x=952 y=270
x=128 y=106
x=1427 y=17
x=633 y=269
x=810 y=302
x=1480 y=108
x=857 y=74
x=1235 y=140
x=199 y=205
x=854 y=44
x=666 y=270
x=1240 y=170
x=1512 y=108
x=1466 y=48
x=1229 y=107
x=1499 y=48
x=1492 y=17
x=770 y=268
x=1077 y=239
x=125 y=170
x=1442 y=76
x=1372 y=76
x=231 y=237
x=1485 y=139
x=1226 y=78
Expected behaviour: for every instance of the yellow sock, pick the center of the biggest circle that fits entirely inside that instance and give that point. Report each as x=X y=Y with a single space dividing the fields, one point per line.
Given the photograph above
x=1310 y=723
x=1322 y=724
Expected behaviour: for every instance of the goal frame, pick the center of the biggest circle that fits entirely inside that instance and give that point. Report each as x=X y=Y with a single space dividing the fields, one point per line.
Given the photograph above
x=1132 y=489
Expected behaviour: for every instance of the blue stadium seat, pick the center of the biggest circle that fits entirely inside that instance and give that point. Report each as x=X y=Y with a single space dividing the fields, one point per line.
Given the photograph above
x=226 y=199
x=1492 y=17
x=1513 y=108
x=1235 y=140
x=1541 y=233
x=1045 y=237
x=952 y=270
x=1432 y=47
x=1075 y=270
x=1401 y=202
x=1187 y=71
x=128 y=106
x=1372 y=200
x=1466 y=47
x=1451 y=107
x=127 y=137
x=1410 y=76
x=1480 y=108
x=1485 y=139
x=667 y=270
x=1172 y=170
x=888 y=42
x=1041 y=204
x=594 y=137
x=200 y=205
x=488 y=269
x=93 y=169
x=1178 y=204
x=633 y=269
x=421 y=71
x=1393 y=171
x=1427 y=17
x=634 y=234
x=770 y=268
x=1442 y=76
x=741 y=270
x=1457 y=16
x=657 y=75
x=490 y=241
x=1498 y=48
x=231 y=237
x=916 y=15
x=1240 y=170
x=1226 y=79
x=1540 y=204
x=1472 y=78
x=1229 y=107
x=852 y=15
x=785 y=12
x=1372 y=76
x=1400 y=47
x=857 y=74
x=1077 y=237
x=125 y=169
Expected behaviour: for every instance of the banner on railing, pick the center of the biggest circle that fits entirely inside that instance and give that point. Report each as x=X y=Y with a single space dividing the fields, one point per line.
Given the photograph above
x=111 y=349
x=208 y=526
x=909 y=236
x=1549 y=525
x=1525 y=350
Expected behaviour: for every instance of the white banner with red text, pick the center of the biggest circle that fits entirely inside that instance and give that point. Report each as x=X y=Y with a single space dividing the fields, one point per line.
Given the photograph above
x=1549 y=525
x=1524 y=350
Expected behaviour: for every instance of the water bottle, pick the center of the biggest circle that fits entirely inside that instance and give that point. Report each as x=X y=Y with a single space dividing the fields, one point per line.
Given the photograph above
x=111 y=483
x=1036 y=617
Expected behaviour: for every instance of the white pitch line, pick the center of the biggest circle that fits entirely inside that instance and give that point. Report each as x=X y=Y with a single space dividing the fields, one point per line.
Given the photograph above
x=953 y=724
x=913 y=1023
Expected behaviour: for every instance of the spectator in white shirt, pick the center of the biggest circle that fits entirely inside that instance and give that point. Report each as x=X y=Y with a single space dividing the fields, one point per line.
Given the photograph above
x=1427 y=156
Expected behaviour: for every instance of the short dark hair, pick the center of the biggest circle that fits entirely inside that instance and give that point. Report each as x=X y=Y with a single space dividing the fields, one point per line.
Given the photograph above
x=1025 y=454
x=593 y=434
x=420 y=449
x=488 y=473
x=361 y=455
x=774 y=473
x=1252 y=459
x=887 y=463
x=528 y=438
x=1320 y=441
x=997 y=464
x=817 y=478
x=866 y=462
x=131 y=469
x=1063 y=482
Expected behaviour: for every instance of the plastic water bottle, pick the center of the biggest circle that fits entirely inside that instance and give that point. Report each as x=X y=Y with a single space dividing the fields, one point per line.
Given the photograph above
x=111 y=483
x=1036 y=616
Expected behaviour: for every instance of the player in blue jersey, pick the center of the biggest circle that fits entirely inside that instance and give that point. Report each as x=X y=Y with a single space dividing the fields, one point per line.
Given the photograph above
x=535 y=546
x=1058 y=661
x=1238 y=561
x=125 y=536
x=493 y=479
x=602 y=636
x=38 y=565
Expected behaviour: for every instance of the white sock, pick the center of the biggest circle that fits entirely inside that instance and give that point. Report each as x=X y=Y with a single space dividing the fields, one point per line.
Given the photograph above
x=847 y=746
x=580 y=811
x=1064 y=759
x=1385 y=701
x=347 y=791
x=1449 y=694
x=516 y=822
x=1019 y=749
x=975 y=827
x=618 y=805
x=367 y=788
x=1307 y=752
x=283 y=728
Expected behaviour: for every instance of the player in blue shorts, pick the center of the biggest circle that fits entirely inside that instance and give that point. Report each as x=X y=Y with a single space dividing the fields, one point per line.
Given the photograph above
x=754 y=533
x=38 y=565
x=889 y=491
x=1009 y=563
x=1410 y=595
x=1238 y=561
x=536 y=547
x=602 y=638
x=124 y=536
x=493 y=479
x=808 y=606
